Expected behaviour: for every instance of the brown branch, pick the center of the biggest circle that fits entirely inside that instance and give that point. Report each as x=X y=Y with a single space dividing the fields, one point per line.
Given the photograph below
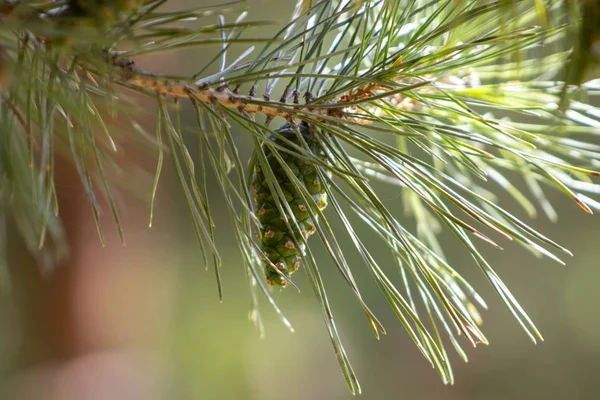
x=344 y=109
x=221 y=95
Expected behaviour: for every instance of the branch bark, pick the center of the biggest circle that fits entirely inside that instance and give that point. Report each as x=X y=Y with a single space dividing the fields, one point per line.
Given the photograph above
x=130 y=75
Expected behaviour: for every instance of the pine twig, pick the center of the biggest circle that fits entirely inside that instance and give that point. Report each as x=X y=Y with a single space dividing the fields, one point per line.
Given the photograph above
x=221 y=95
x=407 y=93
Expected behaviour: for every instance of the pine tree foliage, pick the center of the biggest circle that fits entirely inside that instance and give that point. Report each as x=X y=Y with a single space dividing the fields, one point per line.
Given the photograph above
x=452 y=101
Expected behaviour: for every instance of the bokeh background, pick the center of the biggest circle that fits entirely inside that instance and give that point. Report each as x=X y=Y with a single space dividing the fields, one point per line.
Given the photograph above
x=143 y=321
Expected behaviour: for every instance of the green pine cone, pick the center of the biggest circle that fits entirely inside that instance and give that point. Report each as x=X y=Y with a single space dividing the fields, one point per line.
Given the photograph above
x=277 y=241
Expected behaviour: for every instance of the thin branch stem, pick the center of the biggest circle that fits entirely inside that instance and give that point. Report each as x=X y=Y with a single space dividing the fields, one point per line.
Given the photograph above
x=132 y=76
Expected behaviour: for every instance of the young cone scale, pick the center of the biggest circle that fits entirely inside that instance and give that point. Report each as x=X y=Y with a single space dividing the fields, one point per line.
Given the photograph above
x=278 y=245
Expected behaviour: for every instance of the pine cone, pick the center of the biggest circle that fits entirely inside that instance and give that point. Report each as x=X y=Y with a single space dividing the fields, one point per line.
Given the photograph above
x=278 y=244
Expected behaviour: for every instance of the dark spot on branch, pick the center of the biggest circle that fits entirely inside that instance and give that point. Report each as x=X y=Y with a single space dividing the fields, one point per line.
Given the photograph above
x=285 y=94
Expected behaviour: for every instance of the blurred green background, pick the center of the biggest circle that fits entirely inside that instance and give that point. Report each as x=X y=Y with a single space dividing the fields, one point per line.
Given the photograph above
x=144 y=321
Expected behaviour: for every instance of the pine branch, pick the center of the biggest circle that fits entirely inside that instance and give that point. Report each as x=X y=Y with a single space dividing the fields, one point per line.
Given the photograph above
x=408 y=94
x=221 y=95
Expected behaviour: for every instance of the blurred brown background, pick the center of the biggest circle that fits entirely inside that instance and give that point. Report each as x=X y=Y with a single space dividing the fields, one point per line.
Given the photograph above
x=144 y=321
